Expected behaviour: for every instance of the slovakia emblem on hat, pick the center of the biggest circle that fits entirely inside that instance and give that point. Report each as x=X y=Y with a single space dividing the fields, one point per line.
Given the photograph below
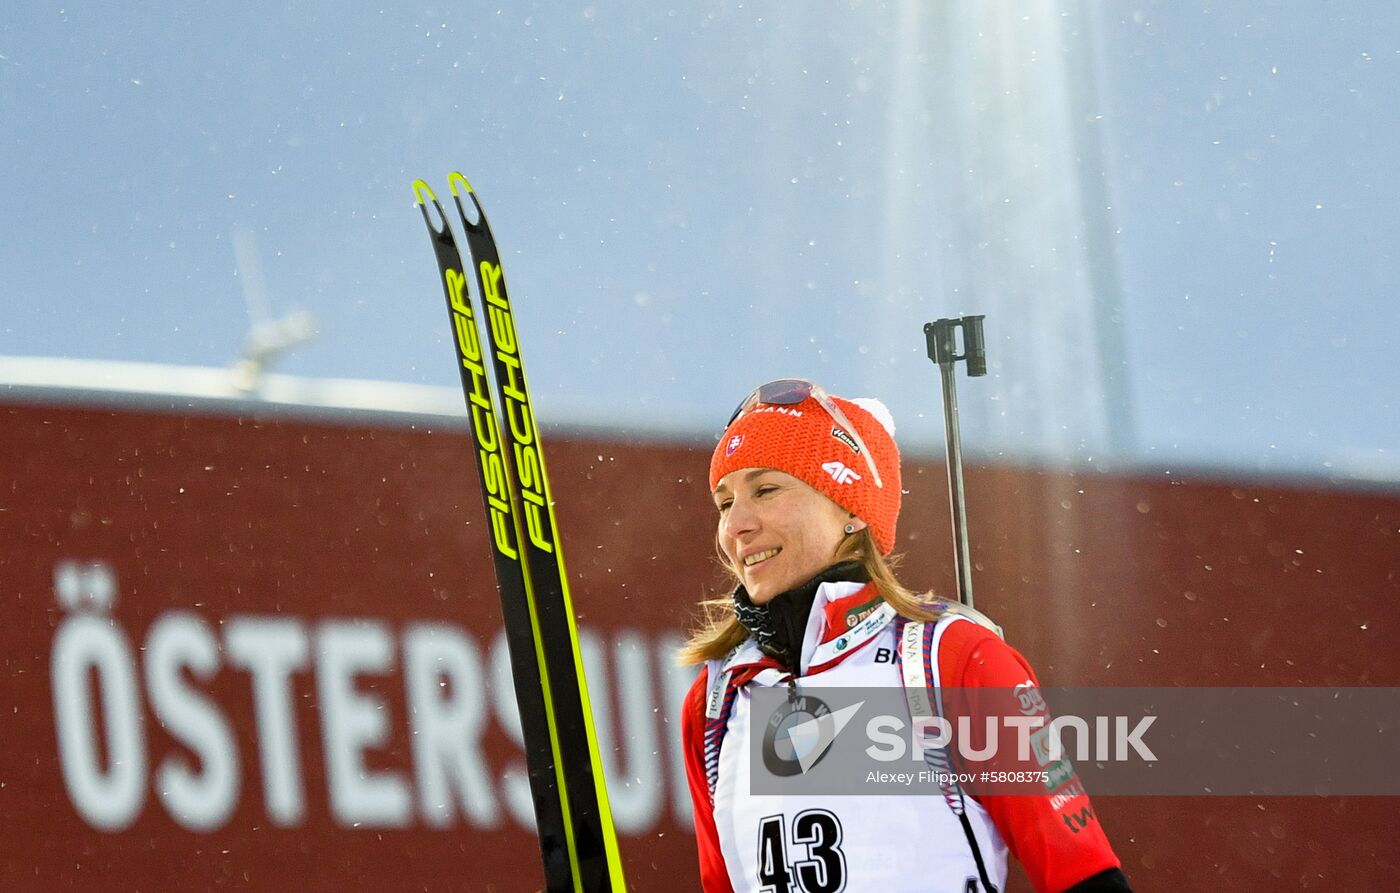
x=734 y=443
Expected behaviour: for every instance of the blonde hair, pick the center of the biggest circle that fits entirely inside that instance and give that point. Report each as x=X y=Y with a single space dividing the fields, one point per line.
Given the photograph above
x=719 y=630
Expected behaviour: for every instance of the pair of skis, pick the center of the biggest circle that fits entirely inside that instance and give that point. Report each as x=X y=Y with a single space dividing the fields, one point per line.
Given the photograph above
x=577 y=838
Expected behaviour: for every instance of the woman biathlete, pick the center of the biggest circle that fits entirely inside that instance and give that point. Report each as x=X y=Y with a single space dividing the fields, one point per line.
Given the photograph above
x=807 y=487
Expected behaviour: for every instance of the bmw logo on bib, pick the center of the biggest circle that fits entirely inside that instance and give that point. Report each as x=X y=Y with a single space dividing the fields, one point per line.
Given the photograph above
x=787 y=752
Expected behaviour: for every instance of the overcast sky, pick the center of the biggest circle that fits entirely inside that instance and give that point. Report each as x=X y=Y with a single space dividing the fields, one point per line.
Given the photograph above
x=691 y=200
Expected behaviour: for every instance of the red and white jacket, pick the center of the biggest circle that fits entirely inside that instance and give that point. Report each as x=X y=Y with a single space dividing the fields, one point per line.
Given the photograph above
x=889 y=844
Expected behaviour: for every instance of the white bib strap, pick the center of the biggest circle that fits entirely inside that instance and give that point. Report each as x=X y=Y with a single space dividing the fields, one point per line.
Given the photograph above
x=719 y=703
x=718 y=683
x=918 y=657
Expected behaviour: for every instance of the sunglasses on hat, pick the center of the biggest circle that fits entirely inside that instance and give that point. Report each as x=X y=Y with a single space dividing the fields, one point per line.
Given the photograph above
x=791 y=391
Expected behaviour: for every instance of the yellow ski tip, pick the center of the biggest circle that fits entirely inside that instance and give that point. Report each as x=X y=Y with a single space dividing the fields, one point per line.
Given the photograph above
x=452 y=180
x=420 y=188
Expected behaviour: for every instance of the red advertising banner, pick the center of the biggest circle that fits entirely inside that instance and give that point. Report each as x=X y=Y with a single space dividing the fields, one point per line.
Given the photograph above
x=266 y=652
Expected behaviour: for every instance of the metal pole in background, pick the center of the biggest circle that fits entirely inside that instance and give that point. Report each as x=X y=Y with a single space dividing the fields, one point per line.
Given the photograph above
x=943 y=350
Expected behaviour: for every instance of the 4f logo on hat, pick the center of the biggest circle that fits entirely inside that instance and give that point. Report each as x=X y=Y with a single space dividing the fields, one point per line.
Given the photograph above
x=734 y=443
x=839 y=472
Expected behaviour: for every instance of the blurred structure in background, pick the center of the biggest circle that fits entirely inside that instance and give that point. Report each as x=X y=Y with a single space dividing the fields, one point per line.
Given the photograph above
x=268 y=630
x=995 y=164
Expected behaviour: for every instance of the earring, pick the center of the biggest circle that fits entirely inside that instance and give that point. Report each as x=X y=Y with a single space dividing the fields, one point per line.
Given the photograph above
x=850 y=528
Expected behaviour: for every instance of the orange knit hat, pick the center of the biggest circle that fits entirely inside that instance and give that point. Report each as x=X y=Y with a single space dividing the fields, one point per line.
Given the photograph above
x=807 y=443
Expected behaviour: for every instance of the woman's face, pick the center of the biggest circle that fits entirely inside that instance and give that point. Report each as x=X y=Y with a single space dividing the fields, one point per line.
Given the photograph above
x=775 y=530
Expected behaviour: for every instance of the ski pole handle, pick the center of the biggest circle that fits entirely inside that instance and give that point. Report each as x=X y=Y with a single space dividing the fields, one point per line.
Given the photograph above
x=943 y=343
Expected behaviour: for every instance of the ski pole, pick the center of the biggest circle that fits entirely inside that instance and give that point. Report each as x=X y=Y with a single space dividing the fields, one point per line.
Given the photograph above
x=943 y=350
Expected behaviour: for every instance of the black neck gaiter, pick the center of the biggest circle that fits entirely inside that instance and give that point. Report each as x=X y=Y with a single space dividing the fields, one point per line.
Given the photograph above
x=779 y=625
